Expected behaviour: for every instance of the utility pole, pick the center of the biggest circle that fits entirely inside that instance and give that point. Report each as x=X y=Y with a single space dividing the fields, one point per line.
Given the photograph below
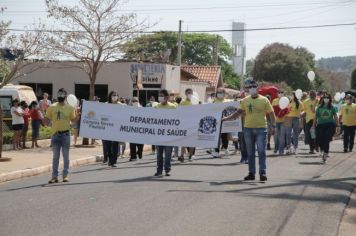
x=179 y=62
x=216 y=51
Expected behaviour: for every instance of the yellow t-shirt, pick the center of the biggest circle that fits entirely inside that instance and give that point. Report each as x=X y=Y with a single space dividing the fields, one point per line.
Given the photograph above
x=348 y=113
x=294 y=112
x=275 y=102
x=186 y=103
x=60 y=116
x=255 y=111
x=310 y=108
x=167 y=106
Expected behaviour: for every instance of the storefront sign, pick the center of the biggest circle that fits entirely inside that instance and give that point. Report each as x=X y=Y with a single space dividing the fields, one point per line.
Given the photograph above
x=151 y=73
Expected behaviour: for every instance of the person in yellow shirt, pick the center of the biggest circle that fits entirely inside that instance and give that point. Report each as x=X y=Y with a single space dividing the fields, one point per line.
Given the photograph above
x=167 y=150
x=293 y=117
x=255 y=107
x=60 y=115
x=187 y=102
x=348 y=119
x=310 y=106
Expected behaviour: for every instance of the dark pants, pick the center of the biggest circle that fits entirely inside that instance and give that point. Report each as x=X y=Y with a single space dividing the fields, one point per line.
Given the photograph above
x=324 y=135
x=167 y=152
x=136 y=150
x=224 y=141
x=311 y=141
x=349 y=137
x=243 y=149
x=111 y=151
x=153 y=148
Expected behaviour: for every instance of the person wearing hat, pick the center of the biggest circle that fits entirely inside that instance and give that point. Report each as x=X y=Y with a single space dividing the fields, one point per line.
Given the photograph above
x=348 y=119
x=60 y=115
x=254 y=108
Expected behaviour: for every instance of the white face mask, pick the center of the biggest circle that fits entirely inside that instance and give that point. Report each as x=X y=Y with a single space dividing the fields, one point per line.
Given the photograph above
x=348 y=101
x=253 y=91
x=114 y=98
x=280 y=95
x=189 y=96
x=326 y=100
x=160 y=99
x=135 y=104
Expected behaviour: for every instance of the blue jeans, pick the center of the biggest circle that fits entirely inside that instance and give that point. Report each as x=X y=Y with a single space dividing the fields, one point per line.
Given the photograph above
x=253 y=137
x=295 y=128
x=60 y=141
x=167 y=150
x=280 y=138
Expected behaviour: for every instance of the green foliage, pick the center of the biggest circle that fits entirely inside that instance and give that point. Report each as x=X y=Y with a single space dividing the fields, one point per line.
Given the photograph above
x=198 y=49
x=353 y=79
x=45 y=133
x=282 y=63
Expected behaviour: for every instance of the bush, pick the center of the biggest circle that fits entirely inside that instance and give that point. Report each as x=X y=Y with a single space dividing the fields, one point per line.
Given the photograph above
x=353 y=79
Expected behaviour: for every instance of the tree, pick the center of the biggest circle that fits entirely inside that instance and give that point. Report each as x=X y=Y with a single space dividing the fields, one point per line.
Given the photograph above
x=353 y=79
x=95 y=31
x=198 y=49
x=283 y=63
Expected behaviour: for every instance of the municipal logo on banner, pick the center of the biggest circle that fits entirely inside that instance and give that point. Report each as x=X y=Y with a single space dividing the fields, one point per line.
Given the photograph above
x=207 y=125
x=229 y=111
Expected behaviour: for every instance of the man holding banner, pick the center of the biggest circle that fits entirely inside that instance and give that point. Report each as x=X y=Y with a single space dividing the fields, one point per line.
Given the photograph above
x=254 y=108
x=167 y=150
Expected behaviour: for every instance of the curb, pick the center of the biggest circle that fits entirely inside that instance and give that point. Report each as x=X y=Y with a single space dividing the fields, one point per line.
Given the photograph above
x=20 y=174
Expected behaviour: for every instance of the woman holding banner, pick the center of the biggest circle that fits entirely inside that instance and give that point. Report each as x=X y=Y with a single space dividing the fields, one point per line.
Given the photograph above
x=111 y=148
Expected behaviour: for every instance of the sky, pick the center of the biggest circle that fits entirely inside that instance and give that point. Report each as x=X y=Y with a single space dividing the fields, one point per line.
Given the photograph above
x=219 y=15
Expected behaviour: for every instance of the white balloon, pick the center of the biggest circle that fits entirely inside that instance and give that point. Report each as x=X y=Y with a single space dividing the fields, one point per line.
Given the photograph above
x=72 y=100
x=283 y=102
x=195 y=98
x=337 y=96
x=343 y=95
x=299 y=93
x=311 y=75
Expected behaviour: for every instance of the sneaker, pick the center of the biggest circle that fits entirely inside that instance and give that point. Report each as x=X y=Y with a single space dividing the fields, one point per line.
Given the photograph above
x=350 y=150
x=158 y=174
x=275 y=151
x=289 y=151
x=268 y=146
x=227 y=152
x=235 y=151
x=345 y=150
x=209 y=151
x=191 y=158
x=181 y=159
x=215 y=154
x=263 y=177
x=65 y=179
x=153 y=153
x=168 y=173
x=113 y=166
x=53 y=180
x=250 y=176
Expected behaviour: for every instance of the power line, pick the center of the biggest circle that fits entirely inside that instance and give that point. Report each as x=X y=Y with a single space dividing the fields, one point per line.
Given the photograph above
x=194 y=31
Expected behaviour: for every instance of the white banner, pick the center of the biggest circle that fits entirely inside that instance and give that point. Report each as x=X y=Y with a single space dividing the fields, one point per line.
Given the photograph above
x=195 y=126
x=232 y=126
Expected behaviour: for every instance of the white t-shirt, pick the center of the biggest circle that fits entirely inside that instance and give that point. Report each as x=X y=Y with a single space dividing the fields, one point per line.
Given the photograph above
x=16 y=119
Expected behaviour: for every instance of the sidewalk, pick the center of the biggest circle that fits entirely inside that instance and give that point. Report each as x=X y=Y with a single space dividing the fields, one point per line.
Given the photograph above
x=348 y=221
x=31 y=162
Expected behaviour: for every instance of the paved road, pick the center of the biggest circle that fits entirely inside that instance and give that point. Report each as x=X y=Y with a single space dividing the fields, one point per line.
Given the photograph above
x=205 y=197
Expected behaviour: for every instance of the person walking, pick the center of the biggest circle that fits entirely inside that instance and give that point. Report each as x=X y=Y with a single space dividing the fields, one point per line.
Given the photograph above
x=111 y=148
x=26 y=116
x=310 y=106
x=36 y=120
x=296 y=109
x=17 y=123
x=136 y=149
x=280 y=131
x=165 y=151
x=187 y=102
x=60 y=115
x=255 y=107
x=348 y=119
x=325 y=123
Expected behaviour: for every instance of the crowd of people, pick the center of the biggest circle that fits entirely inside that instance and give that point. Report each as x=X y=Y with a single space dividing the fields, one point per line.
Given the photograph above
x=313 y=114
